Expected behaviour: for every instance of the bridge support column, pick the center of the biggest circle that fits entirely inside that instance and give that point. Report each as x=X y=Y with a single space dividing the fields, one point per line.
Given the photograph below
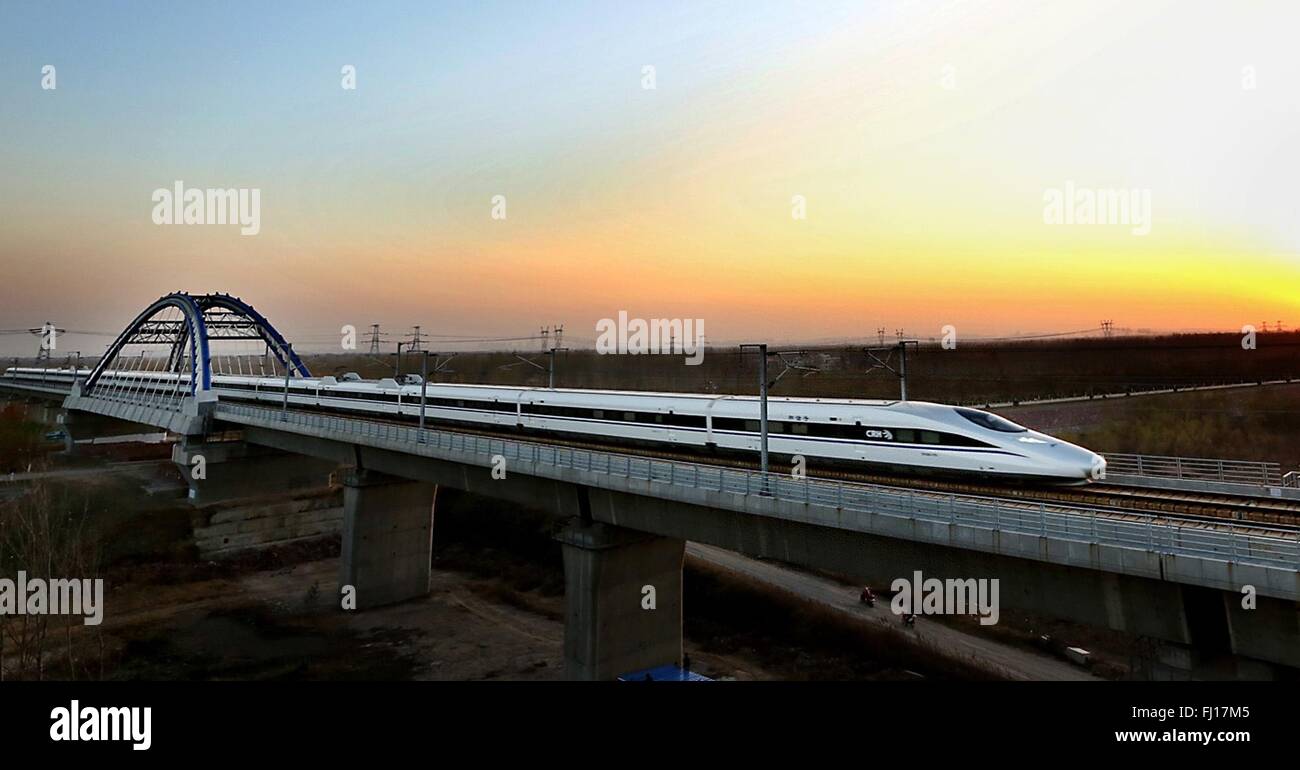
x=623 y=600
x=387 y=537
x=229 y=470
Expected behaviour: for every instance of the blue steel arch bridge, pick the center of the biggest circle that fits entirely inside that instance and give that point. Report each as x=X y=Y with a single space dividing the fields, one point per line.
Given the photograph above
x=181 y=340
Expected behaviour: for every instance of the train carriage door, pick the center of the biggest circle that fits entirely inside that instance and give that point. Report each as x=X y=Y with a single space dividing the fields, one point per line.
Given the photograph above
x=709 y=438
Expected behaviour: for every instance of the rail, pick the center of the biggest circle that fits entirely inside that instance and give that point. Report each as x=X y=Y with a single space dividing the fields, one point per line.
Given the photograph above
x=1260 y=474
x=1276 y=547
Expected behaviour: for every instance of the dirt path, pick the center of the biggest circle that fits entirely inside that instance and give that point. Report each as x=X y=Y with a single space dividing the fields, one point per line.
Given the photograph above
x=1001 y=659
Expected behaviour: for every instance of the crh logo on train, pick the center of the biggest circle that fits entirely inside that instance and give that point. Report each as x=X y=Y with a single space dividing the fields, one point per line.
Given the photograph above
x=932 y=596
x=655 y=336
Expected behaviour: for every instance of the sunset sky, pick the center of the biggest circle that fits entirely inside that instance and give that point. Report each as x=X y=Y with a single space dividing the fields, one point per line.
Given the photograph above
x=923 y=137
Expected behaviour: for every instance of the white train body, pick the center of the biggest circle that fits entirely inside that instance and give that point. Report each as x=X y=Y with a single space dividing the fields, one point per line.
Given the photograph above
x=913 y=436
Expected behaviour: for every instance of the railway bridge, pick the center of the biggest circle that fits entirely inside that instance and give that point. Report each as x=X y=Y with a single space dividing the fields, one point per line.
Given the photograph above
x=627 y=516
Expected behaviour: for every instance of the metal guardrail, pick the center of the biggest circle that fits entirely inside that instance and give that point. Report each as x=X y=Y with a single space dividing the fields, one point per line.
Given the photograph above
x=1260 y=474
x=1276 y=548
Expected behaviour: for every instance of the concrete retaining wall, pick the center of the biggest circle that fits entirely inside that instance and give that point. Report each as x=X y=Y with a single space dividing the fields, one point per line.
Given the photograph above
x=231 y=529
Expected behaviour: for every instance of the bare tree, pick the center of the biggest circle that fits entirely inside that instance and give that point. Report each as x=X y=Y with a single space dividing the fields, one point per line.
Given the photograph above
x=45 y=535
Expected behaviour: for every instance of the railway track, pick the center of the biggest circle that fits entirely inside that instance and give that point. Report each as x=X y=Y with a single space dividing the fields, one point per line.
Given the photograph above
x=1128 y=503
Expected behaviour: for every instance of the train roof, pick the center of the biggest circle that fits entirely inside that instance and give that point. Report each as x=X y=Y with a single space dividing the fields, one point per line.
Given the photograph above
x=657 y=394
x=513 y=391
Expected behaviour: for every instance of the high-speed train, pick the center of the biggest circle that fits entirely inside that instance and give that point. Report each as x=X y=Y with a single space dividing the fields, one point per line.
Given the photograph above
x=898 y=436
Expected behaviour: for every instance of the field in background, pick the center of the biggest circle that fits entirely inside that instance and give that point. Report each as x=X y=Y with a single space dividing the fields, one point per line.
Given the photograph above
x=1245 y=424
x=973 y=373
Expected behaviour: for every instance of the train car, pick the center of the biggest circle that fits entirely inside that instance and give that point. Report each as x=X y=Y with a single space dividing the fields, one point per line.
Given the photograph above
x=913 y=437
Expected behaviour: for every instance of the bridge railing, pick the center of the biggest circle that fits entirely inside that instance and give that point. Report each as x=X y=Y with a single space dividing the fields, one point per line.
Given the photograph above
x=1131 y=529
x=1260 y=474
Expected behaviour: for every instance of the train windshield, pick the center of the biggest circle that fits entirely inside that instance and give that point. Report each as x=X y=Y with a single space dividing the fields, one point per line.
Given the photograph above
x=990 y=420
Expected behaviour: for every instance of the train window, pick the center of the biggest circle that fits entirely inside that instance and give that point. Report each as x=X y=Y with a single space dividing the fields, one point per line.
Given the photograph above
x=905 y=435
x=989 y=420
x=752 y=426
x=597 y=414
x=629 y=416
x=799 y=428
x=931 y=437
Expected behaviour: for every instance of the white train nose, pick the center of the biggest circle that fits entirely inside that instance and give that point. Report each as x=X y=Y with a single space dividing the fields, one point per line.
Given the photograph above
x=1081 y=463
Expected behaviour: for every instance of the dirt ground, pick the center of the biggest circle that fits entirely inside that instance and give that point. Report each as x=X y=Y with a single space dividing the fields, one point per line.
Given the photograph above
x=282 y=623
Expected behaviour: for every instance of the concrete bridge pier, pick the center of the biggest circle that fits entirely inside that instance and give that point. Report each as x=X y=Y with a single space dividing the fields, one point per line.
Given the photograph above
x=623 y=600
x=387 y=537
x=218 y=471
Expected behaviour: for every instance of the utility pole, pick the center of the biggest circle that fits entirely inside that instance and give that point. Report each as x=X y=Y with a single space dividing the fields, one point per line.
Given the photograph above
x=765 y=384
x=374 y=339
x=902 y=370
x=876 y=362
x=397 y=366
x=550 y=364
x=424 y=381
x=761 y=347
x=49 y=334
x=551 y=367
x=288 y=365
x=424 y=387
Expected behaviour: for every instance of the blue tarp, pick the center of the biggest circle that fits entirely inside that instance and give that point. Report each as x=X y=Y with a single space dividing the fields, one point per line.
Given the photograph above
x=669 y=673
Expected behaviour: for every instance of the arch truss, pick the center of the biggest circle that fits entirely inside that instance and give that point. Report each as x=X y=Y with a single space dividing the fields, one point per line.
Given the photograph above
x=171 y=351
